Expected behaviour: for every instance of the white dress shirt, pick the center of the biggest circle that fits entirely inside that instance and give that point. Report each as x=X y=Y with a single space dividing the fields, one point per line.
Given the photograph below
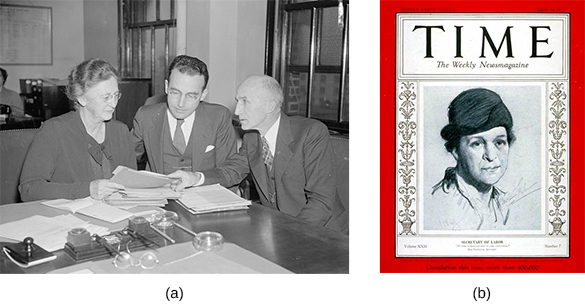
x=186 y=127
x=272 y=135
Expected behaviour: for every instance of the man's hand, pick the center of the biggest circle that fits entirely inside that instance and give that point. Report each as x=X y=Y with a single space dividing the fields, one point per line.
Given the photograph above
x=186 y=179
x=100 y=189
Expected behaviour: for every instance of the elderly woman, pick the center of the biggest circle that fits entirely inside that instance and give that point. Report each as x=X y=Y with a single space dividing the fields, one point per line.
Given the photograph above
x=479 y=135
x=73 y=155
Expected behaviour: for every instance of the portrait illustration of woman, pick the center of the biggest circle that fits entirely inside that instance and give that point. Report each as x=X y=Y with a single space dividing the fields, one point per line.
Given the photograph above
x=479 y=137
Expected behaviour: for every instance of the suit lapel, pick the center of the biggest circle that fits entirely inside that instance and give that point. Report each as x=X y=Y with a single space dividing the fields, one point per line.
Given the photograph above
x=284 y=143
x=155 y=132
x=199 y=135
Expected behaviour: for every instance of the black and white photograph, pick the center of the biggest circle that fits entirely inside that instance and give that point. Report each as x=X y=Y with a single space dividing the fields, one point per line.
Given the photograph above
x=174 y=137
x=482 y=129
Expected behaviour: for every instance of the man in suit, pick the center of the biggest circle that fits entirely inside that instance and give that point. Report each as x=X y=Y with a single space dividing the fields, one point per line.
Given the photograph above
x=185 y=133
x=290 y=158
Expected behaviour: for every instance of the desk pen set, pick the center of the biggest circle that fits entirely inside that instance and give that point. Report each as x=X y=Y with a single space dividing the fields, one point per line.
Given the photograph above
x=138 y=235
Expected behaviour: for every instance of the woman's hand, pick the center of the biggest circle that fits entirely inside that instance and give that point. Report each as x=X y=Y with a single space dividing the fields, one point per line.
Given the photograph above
x=185 y=179
x=100 y=189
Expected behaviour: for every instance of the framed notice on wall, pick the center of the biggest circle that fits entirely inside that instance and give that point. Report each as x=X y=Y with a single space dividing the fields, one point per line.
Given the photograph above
x=25 y=35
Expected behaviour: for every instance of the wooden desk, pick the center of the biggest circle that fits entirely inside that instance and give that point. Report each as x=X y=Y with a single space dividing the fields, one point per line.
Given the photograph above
x=294 y=245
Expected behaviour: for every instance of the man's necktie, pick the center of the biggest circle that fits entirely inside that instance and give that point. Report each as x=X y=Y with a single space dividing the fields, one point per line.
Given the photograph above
x=179 y=139
x=266 y=154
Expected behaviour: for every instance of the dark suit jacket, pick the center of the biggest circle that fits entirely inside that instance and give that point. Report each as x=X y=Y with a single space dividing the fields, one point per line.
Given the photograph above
x=212 y=127
x=304 y=172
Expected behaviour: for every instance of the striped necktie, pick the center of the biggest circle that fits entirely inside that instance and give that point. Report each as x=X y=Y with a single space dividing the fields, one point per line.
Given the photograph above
x=179 y=139
x=266 y=154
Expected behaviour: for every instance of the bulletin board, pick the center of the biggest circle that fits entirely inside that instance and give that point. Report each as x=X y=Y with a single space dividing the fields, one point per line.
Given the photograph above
x=26 y=35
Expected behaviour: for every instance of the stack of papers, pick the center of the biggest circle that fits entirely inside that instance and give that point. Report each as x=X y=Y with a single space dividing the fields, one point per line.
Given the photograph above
x=131 y=197
x=91 y=208
x=131 y=178
x=49 y=233
x=211 y=198
x=124 y=201
x=143 y=188
x=160 y=192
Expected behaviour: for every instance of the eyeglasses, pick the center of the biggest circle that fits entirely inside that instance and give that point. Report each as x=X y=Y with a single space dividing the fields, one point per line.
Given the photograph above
x=117 y=95
x=176 y=95
x=109 y=97
x=126 y=259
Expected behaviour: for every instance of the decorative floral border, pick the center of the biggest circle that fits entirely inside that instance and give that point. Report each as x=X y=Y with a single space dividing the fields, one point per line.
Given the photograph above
x=406 y=156
x=558 y=156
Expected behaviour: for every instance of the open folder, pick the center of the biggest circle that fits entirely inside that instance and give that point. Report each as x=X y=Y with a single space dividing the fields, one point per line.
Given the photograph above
x=91 y=208
x=131 y=178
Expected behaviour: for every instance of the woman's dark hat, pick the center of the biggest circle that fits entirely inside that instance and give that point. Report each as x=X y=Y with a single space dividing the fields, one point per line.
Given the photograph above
x=474 y=111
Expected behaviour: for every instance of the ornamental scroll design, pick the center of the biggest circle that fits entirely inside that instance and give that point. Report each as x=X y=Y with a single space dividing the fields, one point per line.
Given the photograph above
x=558 y=157
x=406 y=156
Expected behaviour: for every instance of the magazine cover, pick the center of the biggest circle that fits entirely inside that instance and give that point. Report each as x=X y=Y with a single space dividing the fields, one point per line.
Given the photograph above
x=482 y=103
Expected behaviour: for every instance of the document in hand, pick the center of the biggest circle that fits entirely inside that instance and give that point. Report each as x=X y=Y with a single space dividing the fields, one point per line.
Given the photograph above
x=131 y=178
x=91 y=208
x=211 y=198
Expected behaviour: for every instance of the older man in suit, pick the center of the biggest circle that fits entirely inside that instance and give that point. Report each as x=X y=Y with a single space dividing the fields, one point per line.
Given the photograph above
x=185 y=133
x=290 y=158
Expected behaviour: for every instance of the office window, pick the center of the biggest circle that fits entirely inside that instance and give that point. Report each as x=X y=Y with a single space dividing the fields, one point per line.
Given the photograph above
x=148 y=32
x=307 y=51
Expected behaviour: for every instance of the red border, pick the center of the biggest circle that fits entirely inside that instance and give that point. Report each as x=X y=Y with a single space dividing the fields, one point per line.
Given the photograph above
x=388 y=10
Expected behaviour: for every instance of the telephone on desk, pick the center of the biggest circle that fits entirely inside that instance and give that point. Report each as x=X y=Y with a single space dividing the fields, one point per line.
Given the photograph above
x=5 y=109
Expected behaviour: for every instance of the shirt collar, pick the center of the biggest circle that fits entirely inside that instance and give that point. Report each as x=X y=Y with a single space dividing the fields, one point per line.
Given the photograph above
x=173 y=121
x=186 y=127
x=272 y=135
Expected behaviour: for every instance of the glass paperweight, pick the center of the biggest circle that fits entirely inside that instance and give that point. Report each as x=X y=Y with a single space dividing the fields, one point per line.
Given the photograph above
x=208 y=241
x=164 y=219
